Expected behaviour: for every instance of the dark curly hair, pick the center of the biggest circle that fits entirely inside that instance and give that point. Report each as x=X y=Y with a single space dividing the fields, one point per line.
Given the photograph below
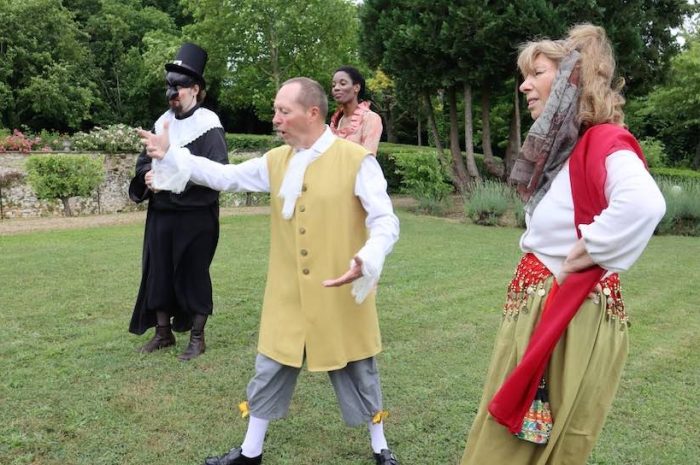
x=356 y=78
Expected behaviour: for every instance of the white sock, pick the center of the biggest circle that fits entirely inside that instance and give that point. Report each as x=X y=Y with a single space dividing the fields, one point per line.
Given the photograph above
x=255 y=436
x=376 y=434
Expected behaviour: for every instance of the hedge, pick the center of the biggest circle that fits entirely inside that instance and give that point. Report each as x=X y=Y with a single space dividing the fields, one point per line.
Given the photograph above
x=678 y=174
x=251 y=142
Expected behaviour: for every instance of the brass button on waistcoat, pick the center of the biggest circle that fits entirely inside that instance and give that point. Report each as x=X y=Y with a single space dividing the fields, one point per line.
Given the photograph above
x=303 y=188
x=304 y=252
x=302 y=208
x=302 y=230
x=305 y=271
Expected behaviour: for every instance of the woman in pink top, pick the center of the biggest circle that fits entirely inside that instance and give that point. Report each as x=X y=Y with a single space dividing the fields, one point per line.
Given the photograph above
x=353 y=120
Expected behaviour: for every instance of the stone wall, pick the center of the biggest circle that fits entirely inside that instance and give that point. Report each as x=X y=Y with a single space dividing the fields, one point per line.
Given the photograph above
x=19 y=201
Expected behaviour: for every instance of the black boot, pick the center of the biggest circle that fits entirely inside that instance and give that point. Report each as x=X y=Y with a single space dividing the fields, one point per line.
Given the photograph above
x=164 y=337
x=196 y=347
x=385 y=457
x=233 y=457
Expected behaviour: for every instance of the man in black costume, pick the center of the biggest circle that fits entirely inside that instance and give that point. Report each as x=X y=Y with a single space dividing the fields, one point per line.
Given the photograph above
x=182 y=229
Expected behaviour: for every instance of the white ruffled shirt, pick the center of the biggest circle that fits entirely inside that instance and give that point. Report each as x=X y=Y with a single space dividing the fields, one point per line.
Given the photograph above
x=617 y=236
x=253 y=176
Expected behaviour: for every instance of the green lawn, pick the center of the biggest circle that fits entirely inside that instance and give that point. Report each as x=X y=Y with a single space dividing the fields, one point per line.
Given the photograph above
x=73 y=390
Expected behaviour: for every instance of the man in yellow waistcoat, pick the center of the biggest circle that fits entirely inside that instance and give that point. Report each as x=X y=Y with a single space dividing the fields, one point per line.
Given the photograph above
x=330 y=217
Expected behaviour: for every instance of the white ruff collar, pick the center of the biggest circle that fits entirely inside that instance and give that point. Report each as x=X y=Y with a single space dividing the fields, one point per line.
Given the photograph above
x=184 y=131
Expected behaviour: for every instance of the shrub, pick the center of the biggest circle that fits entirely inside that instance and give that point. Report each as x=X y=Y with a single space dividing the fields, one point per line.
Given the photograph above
x=393 y=176
x=519 y=211
x=654 y=151
x=251 y=142
x=682 y=207
x=390 y=170
x=112 y=139
x=487 y=202
x=423 y=178
x=64 y=176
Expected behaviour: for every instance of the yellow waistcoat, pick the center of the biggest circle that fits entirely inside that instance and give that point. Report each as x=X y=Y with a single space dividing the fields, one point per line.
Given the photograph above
x=300 y=316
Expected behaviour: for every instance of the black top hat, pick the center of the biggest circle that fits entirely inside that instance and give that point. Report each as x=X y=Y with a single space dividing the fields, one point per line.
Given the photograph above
x=190 y=60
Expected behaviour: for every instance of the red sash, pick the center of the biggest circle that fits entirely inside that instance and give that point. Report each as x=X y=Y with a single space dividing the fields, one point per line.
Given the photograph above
x=587 y=175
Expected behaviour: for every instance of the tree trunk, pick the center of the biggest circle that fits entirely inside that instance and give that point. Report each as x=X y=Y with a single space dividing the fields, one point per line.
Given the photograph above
x=458 y=168
x=390 y=125
x=66 y=206
x=436 y=134
x=472 y=169
x=513 y=133
x=420 y=129
x=492 y=166
x=696 y=160
x=275 y=59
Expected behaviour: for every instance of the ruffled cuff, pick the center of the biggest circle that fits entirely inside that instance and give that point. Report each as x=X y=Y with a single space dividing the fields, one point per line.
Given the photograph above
x=372 y=264
x=172 y=172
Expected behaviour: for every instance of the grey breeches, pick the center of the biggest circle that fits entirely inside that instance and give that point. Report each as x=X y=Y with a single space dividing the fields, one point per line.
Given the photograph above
x=356 y=386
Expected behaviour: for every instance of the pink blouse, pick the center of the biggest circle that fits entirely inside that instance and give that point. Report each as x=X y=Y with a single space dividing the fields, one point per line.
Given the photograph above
x=365 y=127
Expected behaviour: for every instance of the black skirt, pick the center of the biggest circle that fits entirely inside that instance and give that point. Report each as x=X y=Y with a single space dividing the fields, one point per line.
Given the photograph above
x=178 y=248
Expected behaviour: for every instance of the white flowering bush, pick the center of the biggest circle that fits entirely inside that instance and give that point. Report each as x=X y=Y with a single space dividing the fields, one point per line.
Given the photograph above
x=117 y=138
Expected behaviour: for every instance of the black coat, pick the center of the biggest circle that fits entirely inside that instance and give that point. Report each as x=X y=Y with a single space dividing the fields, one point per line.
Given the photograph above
x=180 y=239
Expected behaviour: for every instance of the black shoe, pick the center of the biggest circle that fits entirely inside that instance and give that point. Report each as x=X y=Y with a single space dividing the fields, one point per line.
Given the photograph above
x=195 y=348
x=163 y=338
x=235 y=457
x=385 y=457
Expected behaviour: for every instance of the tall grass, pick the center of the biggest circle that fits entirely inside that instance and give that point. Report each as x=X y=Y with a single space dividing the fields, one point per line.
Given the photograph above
x=682 y=207
x=487 y=201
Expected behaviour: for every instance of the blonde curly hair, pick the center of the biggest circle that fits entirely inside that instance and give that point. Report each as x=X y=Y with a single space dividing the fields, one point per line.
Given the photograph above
x=600 y=100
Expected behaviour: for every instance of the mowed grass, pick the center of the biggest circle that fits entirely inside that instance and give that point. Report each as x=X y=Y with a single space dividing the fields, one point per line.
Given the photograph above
x=73 y=390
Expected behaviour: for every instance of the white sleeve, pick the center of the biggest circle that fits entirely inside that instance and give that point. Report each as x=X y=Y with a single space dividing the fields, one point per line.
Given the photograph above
x=249 y=176
x=618 y=235
x=382 y=223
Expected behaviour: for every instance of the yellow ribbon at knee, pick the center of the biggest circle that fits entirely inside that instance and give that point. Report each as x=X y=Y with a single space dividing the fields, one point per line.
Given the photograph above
x=243 y=407
x=379 y=417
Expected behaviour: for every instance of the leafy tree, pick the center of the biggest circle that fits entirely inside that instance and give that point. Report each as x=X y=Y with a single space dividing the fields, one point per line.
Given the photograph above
x=505 y=25
x=64 y=176
x=452 y=46
x=641 y=32
x=383 y=92
x=43 y=56
x=406 y=39
x=54 y=96
x=255 y=45
x=672 y=110
x=121 y=32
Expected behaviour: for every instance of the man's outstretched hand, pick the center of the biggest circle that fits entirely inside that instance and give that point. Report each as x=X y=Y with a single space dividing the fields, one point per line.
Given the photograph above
x=351 y=275
x=156 y=144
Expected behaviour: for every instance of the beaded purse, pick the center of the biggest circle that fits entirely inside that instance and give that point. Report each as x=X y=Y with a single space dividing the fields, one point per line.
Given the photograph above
x=537 y=424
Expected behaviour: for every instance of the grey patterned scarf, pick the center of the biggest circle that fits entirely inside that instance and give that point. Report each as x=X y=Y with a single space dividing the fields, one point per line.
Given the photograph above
x=551 y=138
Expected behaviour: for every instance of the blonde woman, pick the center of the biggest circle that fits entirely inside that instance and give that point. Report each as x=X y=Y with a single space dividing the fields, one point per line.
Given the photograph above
x=591 y=208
